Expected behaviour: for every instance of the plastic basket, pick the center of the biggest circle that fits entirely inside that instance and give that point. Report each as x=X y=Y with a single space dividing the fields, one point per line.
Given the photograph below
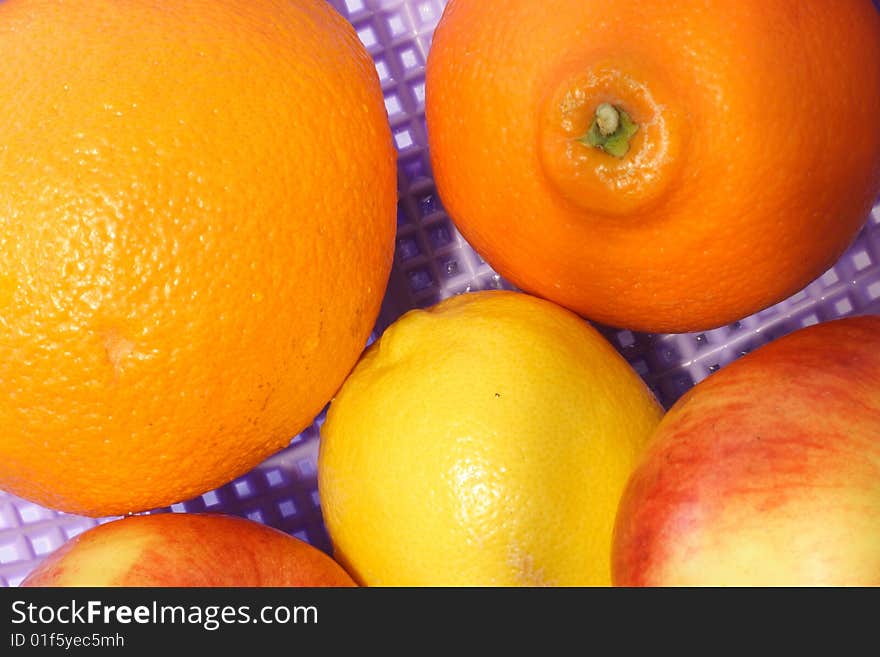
x=433 y=262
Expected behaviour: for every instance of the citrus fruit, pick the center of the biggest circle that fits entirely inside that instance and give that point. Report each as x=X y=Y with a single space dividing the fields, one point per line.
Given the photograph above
x=184 y=549
x=660 y=166
x=198 y=210
x=485 y=441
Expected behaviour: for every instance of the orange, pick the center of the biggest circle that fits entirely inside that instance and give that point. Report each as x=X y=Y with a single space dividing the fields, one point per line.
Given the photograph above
x=197 y=209
x=183 y=549
x=749 y=161
x=485 y=441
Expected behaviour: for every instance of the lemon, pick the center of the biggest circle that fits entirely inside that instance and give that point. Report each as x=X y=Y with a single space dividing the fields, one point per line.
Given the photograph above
x=483 y=442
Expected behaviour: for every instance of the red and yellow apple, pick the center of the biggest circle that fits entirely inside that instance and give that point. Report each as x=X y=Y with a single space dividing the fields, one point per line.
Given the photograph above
x=766 y=473
x=181 y=549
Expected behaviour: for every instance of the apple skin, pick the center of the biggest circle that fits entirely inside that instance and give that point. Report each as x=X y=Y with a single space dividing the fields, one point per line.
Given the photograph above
x=767 y=473
x=187 y=550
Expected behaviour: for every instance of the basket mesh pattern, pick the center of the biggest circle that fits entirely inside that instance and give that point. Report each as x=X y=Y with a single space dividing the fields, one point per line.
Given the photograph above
x=433 y=262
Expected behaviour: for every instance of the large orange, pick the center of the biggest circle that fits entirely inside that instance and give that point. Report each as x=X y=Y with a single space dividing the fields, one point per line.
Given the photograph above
x=755 y=159
x=197 y=208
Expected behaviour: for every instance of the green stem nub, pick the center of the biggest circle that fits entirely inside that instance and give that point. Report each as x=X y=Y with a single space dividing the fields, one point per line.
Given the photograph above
x=611 y=131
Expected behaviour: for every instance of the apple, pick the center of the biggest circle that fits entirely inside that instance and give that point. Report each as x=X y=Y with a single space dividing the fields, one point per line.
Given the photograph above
x=185 y=550
x=767 y=473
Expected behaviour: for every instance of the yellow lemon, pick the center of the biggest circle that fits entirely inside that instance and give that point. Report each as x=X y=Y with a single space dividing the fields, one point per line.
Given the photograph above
x=483 y=442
